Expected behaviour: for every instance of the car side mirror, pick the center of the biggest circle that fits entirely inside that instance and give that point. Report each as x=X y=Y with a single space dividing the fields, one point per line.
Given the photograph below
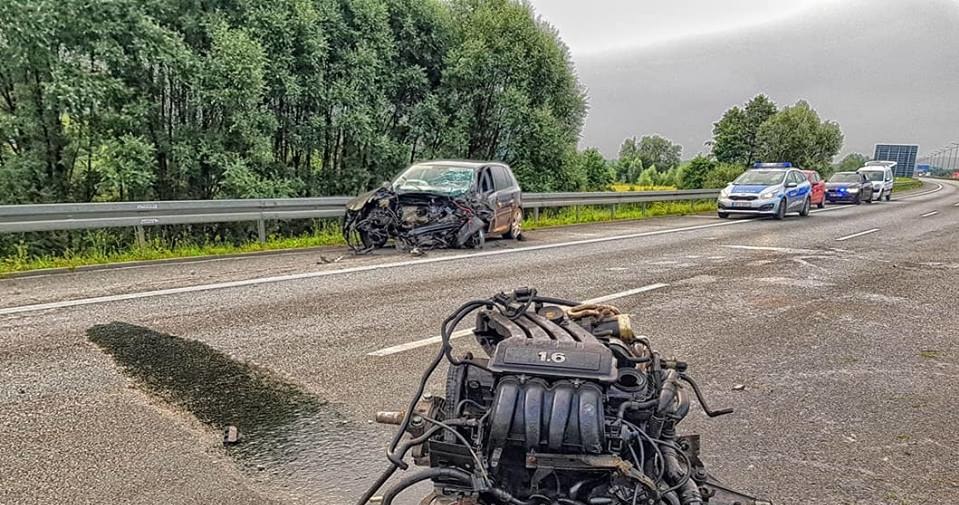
x=791 y=184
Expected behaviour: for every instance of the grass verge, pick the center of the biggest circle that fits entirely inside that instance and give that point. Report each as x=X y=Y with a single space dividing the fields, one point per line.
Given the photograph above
x=906 y=183
x=325 y=234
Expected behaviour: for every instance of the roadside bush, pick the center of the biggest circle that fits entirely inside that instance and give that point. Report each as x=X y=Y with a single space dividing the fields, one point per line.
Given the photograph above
x=722 y=174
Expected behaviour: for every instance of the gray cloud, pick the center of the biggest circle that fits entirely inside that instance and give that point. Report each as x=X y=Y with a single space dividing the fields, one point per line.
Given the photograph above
x=886 y=70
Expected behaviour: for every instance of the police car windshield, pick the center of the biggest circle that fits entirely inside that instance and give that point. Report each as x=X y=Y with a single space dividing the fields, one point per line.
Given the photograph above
x=761 y=177
x=844 y=177
x=873 y=175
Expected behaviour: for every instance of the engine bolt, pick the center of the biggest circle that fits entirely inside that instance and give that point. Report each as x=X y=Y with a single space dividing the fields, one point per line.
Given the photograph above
x=473 y=384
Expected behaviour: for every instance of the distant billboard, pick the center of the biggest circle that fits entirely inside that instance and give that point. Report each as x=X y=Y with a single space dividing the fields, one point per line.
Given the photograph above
x=903 y=154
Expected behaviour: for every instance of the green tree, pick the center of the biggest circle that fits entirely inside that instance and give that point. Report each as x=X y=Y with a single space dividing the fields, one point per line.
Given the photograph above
x=852 y=162
x=797 y=135
x=722 y=174
x=736 y=134
x=647 y=177
x=696 y=171
x=629 y=165
x=597 y=172
x=658 y=151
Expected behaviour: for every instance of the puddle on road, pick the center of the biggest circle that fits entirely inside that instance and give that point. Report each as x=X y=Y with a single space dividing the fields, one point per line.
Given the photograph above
x=292 y=441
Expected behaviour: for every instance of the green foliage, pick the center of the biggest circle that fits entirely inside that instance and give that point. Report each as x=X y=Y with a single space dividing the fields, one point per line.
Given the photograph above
x=907 y=183
x=851 y=162
x=659 y=151
x=651 y=151
x=696 y=171
x=648 y=177
x=597 y=174
x=629 y=165
x=134 y=99
x=722 y=174
x=153 y=99
x=735 y=135
x=797 y=135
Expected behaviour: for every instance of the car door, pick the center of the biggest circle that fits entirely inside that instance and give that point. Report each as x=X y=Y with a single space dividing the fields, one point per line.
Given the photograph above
x=505 y=197
x=818 y=187
x=865 y=187
x=794 y=190
x=486 y=192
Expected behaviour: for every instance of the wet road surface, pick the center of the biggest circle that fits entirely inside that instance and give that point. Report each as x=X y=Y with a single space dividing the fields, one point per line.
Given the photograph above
x=847 y=348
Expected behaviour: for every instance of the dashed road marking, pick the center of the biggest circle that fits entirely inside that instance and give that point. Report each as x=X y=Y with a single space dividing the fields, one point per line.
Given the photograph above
x=469 y=331
x=929 y=214
x=854 y=235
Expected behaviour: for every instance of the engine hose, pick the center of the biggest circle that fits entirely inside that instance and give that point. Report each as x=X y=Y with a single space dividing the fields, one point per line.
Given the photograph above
x=432 y=473
x=682 y=483
x=671 y=498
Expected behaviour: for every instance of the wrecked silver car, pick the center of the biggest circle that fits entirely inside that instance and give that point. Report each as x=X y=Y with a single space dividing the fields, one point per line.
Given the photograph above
x=437 y=204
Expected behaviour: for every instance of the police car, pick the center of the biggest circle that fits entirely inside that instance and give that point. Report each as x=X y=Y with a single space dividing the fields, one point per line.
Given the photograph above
x=771 y=189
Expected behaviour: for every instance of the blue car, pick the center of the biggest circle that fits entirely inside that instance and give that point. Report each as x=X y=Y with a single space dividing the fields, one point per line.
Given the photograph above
x=771 y=189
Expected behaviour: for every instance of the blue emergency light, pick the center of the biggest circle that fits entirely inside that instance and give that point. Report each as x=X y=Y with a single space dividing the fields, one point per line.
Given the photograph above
x=784 y=164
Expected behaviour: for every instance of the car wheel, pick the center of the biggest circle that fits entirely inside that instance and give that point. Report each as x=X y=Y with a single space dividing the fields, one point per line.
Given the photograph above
x=889 y=196
x=373 y=240
x=723 y=215
x=781 y=211
x=805 y=208
x=478 y=240
x=515 y=226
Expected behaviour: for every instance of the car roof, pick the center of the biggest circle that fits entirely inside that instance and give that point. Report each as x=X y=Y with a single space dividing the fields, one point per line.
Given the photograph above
x=461 y=163
x=851 y=173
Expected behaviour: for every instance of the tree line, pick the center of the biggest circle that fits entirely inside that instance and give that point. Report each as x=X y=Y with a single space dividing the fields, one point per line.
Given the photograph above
x=177 y=99
x=758 y=131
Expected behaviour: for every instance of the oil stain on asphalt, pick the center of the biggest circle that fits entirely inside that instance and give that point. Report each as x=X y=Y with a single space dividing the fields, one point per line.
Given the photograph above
x=291 y=440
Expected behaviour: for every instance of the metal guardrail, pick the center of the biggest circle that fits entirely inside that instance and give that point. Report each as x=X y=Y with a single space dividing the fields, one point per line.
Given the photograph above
x=75 y=216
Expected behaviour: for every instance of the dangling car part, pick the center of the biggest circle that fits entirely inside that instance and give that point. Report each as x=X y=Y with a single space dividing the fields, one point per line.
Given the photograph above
x=569 y=407
x=439 y=204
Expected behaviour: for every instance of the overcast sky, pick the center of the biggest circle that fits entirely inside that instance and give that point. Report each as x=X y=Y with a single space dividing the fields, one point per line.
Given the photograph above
x=885 y=70
x=601 y=25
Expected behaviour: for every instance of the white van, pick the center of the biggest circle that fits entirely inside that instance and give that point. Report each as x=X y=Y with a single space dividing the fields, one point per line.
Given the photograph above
x=881 y=176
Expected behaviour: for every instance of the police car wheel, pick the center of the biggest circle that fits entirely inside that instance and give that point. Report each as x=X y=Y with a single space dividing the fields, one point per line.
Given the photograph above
x=723 y=215
x=781 y=211
x=805 y=208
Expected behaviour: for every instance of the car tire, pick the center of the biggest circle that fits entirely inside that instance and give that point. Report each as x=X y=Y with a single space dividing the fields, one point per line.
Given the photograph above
x=373 y=241
x=478 y=240
x=723 y=215
x=804 y=211
x=515 y=226
x=781 y=210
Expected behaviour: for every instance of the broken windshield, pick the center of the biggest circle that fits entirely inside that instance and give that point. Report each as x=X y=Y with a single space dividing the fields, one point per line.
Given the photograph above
x=443 y=179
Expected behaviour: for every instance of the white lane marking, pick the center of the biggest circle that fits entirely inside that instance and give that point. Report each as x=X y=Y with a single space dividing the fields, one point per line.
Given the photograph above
x=927 y=214
x=365 y=268
x=469 y=331
x=956 y=204
x=854 y=235
x=787 y=250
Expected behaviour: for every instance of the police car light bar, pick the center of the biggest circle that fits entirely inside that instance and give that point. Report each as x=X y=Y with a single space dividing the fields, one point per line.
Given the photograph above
x=785 y=164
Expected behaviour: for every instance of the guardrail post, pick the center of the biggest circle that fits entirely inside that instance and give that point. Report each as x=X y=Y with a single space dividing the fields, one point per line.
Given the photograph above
x=261 y=230
x=141 y=237
x=612 y=212
x=536 y=214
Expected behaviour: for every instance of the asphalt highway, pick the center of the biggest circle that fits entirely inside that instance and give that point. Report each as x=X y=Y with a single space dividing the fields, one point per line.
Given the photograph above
x=115 y=384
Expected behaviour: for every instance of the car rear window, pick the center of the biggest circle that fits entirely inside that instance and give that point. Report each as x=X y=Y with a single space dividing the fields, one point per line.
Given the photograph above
x=844 y=178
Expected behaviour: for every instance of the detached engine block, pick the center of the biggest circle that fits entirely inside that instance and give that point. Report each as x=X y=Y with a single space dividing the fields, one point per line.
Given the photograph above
x=569 y=408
